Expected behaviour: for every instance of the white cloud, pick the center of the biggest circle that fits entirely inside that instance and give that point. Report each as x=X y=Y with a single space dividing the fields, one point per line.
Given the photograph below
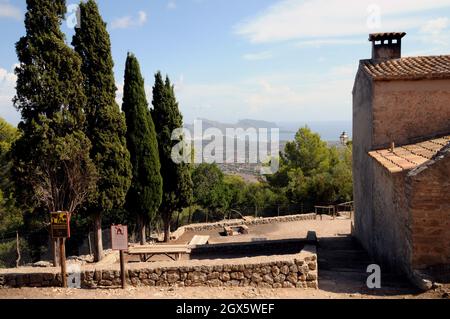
x=437 y=33
x=281 y=97
x=142 y=17
x=9 y=11
x=302 y=19
x=171 y=5
x=129 y=21
x=317 y=43
x=7 y=91
x=435 y=26
x=257 y=56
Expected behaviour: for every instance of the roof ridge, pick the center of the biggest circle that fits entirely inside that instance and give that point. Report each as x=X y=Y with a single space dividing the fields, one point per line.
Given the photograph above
x=408 y=67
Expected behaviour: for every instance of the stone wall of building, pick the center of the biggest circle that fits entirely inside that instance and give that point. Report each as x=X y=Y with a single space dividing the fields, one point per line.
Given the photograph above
x=391 y=239
x=286 y=271
x=429 y=190
x=406 y=110
x=362 y=164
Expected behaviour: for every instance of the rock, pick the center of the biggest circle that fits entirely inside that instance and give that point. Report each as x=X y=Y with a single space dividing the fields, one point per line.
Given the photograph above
x=267 y=278
x=300 y=284
x=293 y=278
x=237 y=275
x=218 y=268
x=173 y=277
x=98 y=275
x=293 y=269
x=225 y=276
x=284 y=269
x=288 y=284
x=197 y=277
x=88 y=275
x=275 y=270
x=257 y=278
x=280 y=278
x=153 y=276
x=311 y=276
x=107 y=275
x=299 y=262
x=143 y=275
x=302 y=277
x=265 y=270
x=135 y=281
x=213 y=275
x=312 y=265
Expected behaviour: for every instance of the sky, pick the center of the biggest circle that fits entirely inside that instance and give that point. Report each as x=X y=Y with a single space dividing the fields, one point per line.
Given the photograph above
x=280 y=61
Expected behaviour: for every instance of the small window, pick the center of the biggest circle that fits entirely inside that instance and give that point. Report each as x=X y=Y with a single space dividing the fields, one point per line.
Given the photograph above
x=394 y=41
x=377 y=42
x=386 y=41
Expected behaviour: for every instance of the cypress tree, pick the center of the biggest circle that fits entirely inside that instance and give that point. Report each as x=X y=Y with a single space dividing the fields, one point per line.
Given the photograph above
x=105 y=124
x=144 y=196
x=51 y=164
x=177 y=182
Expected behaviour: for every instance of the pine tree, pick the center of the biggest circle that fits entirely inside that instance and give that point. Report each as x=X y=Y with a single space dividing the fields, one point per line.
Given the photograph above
x=177 y=183
x=51 y=164
x=105 y=124
x=144 y=196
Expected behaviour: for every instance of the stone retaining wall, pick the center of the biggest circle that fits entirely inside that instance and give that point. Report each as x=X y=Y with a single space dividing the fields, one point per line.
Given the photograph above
x=236 y=222
x=281 y=271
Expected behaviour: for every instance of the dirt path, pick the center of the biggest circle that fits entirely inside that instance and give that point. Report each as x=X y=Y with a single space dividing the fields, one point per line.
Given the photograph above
x=203 y=293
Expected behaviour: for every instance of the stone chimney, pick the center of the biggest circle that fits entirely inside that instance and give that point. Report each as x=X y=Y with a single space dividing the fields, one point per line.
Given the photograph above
x=386 y=46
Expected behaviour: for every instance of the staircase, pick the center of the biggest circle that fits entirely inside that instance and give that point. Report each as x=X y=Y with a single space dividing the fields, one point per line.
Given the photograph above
x=343 y=265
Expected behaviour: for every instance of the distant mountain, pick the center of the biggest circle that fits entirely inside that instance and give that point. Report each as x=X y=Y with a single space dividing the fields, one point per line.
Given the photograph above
x=328 y=130
x=245 y=124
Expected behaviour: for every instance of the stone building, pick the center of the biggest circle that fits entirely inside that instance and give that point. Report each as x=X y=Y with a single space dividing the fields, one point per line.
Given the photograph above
x=401 y=159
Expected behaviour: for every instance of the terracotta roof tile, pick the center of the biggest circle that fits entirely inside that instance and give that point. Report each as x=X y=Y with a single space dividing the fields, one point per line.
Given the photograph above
x=410 y=156
x=409 y=68
x=386 y=35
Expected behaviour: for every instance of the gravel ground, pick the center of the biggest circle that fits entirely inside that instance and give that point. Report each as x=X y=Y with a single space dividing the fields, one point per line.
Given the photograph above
x=203 y=293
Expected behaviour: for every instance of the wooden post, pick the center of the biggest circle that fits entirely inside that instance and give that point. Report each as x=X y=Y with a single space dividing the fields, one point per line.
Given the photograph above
x=62 y=260
x=122 y=270
x=18 y=249
x=55 y=252
x=89 y=242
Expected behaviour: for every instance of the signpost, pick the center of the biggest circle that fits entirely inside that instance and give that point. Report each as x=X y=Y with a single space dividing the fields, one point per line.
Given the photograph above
x=119 y=241
x=60 y=230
